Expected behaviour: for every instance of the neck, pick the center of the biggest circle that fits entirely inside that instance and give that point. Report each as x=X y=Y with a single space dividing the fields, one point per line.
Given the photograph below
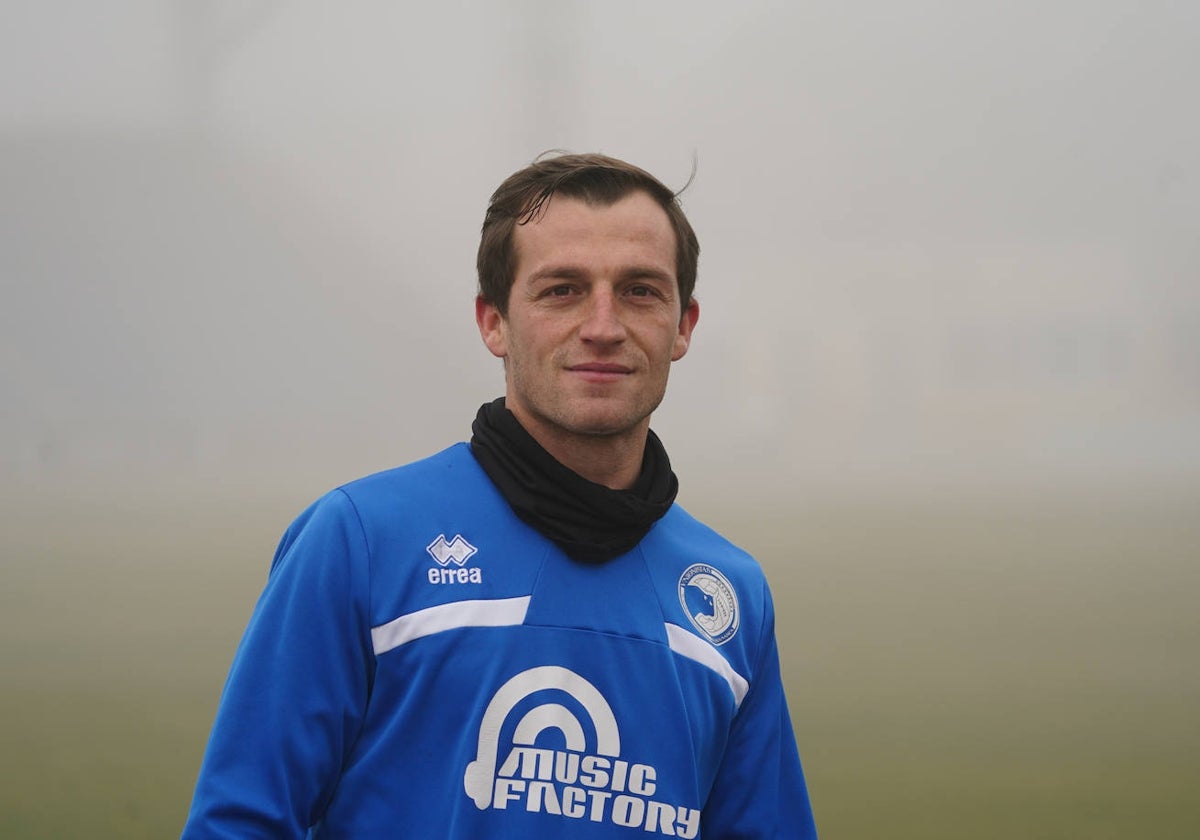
x=614 y=461
x=588 y=520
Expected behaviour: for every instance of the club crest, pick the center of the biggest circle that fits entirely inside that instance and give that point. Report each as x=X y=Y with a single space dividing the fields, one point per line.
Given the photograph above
x=710 y=602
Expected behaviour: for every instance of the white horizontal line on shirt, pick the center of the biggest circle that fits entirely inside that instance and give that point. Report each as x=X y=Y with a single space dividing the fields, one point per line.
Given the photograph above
x=496 y=612
x=693 y=647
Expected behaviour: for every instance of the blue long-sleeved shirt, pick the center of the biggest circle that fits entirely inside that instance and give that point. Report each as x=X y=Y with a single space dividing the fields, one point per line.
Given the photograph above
x=424 y=664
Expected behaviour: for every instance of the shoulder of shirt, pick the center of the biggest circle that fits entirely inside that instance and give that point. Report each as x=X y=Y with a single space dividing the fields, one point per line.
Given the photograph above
x=451 y=478
x=451 y=470
x=687 y=536
x=438 y=467
x=444 y=476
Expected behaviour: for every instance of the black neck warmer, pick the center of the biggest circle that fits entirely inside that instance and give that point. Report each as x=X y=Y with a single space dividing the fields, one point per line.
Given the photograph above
x=589 y=521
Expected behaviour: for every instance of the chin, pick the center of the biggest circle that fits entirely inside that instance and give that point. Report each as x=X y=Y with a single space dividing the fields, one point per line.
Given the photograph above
x=600 y=423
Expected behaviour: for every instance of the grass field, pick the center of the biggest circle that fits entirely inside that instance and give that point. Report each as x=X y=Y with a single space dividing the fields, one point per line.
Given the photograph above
x=1028 y=669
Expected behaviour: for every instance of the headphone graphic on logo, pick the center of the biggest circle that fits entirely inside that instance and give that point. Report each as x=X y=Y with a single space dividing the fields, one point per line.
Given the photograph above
x=481 y=773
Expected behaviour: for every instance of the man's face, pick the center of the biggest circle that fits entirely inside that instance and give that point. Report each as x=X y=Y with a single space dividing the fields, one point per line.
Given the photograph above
x=594 y=319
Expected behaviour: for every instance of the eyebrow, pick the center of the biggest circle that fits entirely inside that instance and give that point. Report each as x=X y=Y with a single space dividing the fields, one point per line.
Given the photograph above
x=557 y=272
x=573 y=272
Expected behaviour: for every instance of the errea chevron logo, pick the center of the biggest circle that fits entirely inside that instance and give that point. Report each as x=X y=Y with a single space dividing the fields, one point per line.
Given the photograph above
x=457 y=550
x=451 y=558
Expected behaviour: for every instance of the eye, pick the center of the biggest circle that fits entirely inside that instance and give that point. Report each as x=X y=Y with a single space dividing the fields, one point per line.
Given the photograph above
x=558 y=291
x=641 y=291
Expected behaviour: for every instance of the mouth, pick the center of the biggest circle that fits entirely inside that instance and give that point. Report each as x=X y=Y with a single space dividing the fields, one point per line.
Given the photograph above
x=600 y=367
x=600 y=371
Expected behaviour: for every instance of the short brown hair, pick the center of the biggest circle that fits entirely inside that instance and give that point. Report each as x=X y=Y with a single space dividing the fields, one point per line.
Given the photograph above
x=593 y=178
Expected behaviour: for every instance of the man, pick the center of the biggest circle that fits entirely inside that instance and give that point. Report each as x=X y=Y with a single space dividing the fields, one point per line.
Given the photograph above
x=523 y=637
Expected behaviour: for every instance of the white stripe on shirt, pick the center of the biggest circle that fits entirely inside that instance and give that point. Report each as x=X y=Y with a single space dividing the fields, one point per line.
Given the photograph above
x=501 y=612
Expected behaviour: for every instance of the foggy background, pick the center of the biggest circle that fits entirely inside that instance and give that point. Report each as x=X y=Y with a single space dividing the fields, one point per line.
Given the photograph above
x=949 y=351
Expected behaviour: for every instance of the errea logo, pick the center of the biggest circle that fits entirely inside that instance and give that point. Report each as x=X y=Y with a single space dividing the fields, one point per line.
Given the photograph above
x=457 y=552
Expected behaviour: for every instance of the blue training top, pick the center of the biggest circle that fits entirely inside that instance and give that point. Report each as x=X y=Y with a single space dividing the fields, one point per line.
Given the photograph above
x=424 y=664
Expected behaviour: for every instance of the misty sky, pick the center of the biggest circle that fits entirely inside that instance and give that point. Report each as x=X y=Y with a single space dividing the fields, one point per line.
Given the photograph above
x=944 y=244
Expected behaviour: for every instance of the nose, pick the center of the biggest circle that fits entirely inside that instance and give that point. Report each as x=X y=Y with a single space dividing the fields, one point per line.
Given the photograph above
x=602 y=322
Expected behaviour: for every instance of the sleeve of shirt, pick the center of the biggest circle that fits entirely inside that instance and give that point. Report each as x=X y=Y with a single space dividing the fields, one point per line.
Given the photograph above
x=760 y=791
x=294 y=701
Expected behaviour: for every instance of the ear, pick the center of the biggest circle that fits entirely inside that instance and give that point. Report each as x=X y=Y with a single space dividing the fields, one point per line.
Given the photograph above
x=493 y=329
x=687 y=323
